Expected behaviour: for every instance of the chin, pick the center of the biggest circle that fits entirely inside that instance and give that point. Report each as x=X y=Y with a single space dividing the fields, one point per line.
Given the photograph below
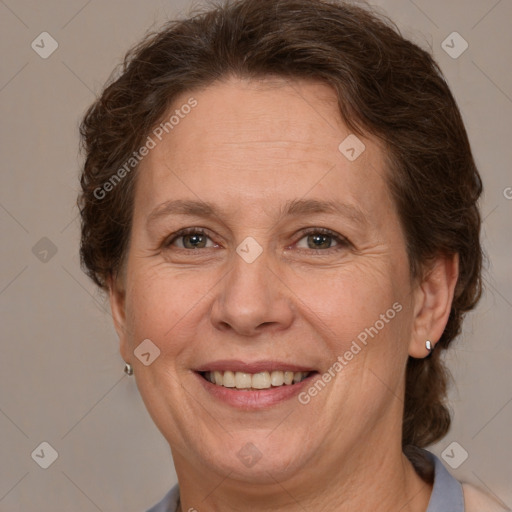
x=259 y=457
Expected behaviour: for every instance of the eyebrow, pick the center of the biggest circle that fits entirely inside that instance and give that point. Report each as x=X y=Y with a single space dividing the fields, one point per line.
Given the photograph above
x=293 y=208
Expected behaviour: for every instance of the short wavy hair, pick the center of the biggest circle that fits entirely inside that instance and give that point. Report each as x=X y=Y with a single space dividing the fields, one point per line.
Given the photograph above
x=387 y=87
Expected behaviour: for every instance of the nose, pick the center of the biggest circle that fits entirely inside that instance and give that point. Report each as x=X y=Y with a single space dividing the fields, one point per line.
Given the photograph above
x=252 y=298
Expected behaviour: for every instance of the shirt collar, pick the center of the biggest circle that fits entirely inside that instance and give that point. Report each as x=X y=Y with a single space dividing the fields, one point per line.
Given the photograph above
x=447 y=493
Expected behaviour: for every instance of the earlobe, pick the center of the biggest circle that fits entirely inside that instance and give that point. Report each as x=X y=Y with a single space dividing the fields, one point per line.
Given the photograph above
x=433 y=302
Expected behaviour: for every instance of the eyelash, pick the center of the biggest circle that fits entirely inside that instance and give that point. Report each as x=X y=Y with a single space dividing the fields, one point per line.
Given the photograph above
x=340 y=240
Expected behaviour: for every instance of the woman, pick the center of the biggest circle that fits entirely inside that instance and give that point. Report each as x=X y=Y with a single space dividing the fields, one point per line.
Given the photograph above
x=281 y=201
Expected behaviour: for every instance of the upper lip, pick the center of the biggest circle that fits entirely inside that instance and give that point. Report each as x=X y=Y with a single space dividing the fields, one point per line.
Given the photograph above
x=254 y=367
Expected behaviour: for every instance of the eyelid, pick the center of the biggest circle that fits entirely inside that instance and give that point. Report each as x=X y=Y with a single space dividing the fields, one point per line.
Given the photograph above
x=340 y=239
x=183 y=232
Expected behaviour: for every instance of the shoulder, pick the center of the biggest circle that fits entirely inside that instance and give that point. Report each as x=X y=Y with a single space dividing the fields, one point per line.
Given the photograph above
x=169 y=503
x=476 y=500
x=449 y=494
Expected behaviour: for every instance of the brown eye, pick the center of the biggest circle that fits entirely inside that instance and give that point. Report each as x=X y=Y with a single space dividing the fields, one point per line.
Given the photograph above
x=319 y=241
x=195 y=241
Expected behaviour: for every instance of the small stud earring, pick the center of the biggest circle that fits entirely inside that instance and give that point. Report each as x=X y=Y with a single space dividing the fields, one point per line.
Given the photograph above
x=429 y=346
x=128 y=369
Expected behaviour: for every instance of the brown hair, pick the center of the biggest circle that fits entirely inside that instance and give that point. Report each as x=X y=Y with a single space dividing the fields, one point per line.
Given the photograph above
x=387 y=87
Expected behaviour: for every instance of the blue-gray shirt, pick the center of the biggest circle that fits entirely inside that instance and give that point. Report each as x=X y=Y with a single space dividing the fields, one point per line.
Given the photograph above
x=446 y=493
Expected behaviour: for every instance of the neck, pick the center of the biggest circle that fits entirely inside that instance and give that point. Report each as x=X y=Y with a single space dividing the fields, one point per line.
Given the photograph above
x=387 y=483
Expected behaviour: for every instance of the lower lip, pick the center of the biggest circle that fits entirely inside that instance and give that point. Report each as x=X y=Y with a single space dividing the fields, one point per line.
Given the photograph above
x=254 y=400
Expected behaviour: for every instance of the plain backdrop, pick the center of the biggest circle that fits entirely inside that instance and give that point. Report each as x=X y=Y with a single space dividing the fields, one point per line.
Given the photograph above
x=61 y=375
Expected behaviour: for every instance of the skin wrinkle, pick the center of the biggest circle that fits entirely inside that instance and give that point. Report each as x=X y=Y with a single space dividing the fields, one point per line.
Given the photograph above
x=291 y=306
x=287 y=304
x=294 y=208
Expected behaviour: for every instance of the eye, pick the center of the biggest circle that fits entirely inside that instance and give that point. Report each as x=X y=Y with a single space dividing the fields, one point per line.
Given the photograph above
x=190 y=238
x=322 y=239
x=316 y=239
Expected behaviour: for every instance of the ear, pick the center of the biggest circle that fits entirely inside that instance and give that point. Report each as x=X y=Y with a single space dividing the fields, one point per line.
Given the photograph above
x=433 y=298
x=117 y=297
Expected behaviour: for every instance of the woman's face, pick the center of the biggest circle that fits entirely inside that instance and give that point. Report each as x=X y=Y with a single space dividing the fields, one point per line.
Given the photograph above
x=293 y=259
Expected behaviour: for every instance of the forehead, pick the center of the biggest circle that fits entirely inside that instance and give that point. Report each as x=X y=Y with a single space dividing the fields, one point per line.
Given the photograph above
x=259 y=141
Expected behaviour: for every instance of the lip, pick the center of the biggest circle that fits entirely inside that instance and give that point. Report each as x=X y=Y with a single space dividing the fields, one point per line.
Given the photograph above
x=254 y=400
x=254 y=367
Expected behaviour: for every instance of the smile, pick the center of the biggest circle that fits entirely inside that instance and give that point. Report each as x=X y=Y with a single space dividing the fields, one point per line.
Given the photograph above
x=244 y=381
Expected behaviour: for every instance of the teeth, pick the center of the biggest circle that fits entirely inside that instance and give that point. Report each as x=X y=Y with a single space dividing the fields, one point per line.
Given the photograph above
x=242 y=380
x=297 y=377
x=261 y=380
x=277 y=378
x=217 y=378
x=228 y=380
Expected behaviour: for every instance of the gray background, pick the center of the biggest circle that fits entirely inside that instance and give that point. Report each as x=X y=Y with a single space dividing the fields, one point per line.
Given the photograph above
x=61 y=375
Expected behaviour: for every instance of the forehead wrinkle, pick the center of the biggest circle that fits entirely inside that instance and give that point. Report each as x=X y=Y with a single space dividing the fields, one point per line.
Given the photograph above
x=292 y=208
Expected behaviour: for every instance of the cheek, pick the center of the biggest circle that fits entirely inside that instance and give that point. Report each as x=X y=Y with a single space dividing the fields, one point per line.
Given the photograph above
x=346 y=301
x=161 y=303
